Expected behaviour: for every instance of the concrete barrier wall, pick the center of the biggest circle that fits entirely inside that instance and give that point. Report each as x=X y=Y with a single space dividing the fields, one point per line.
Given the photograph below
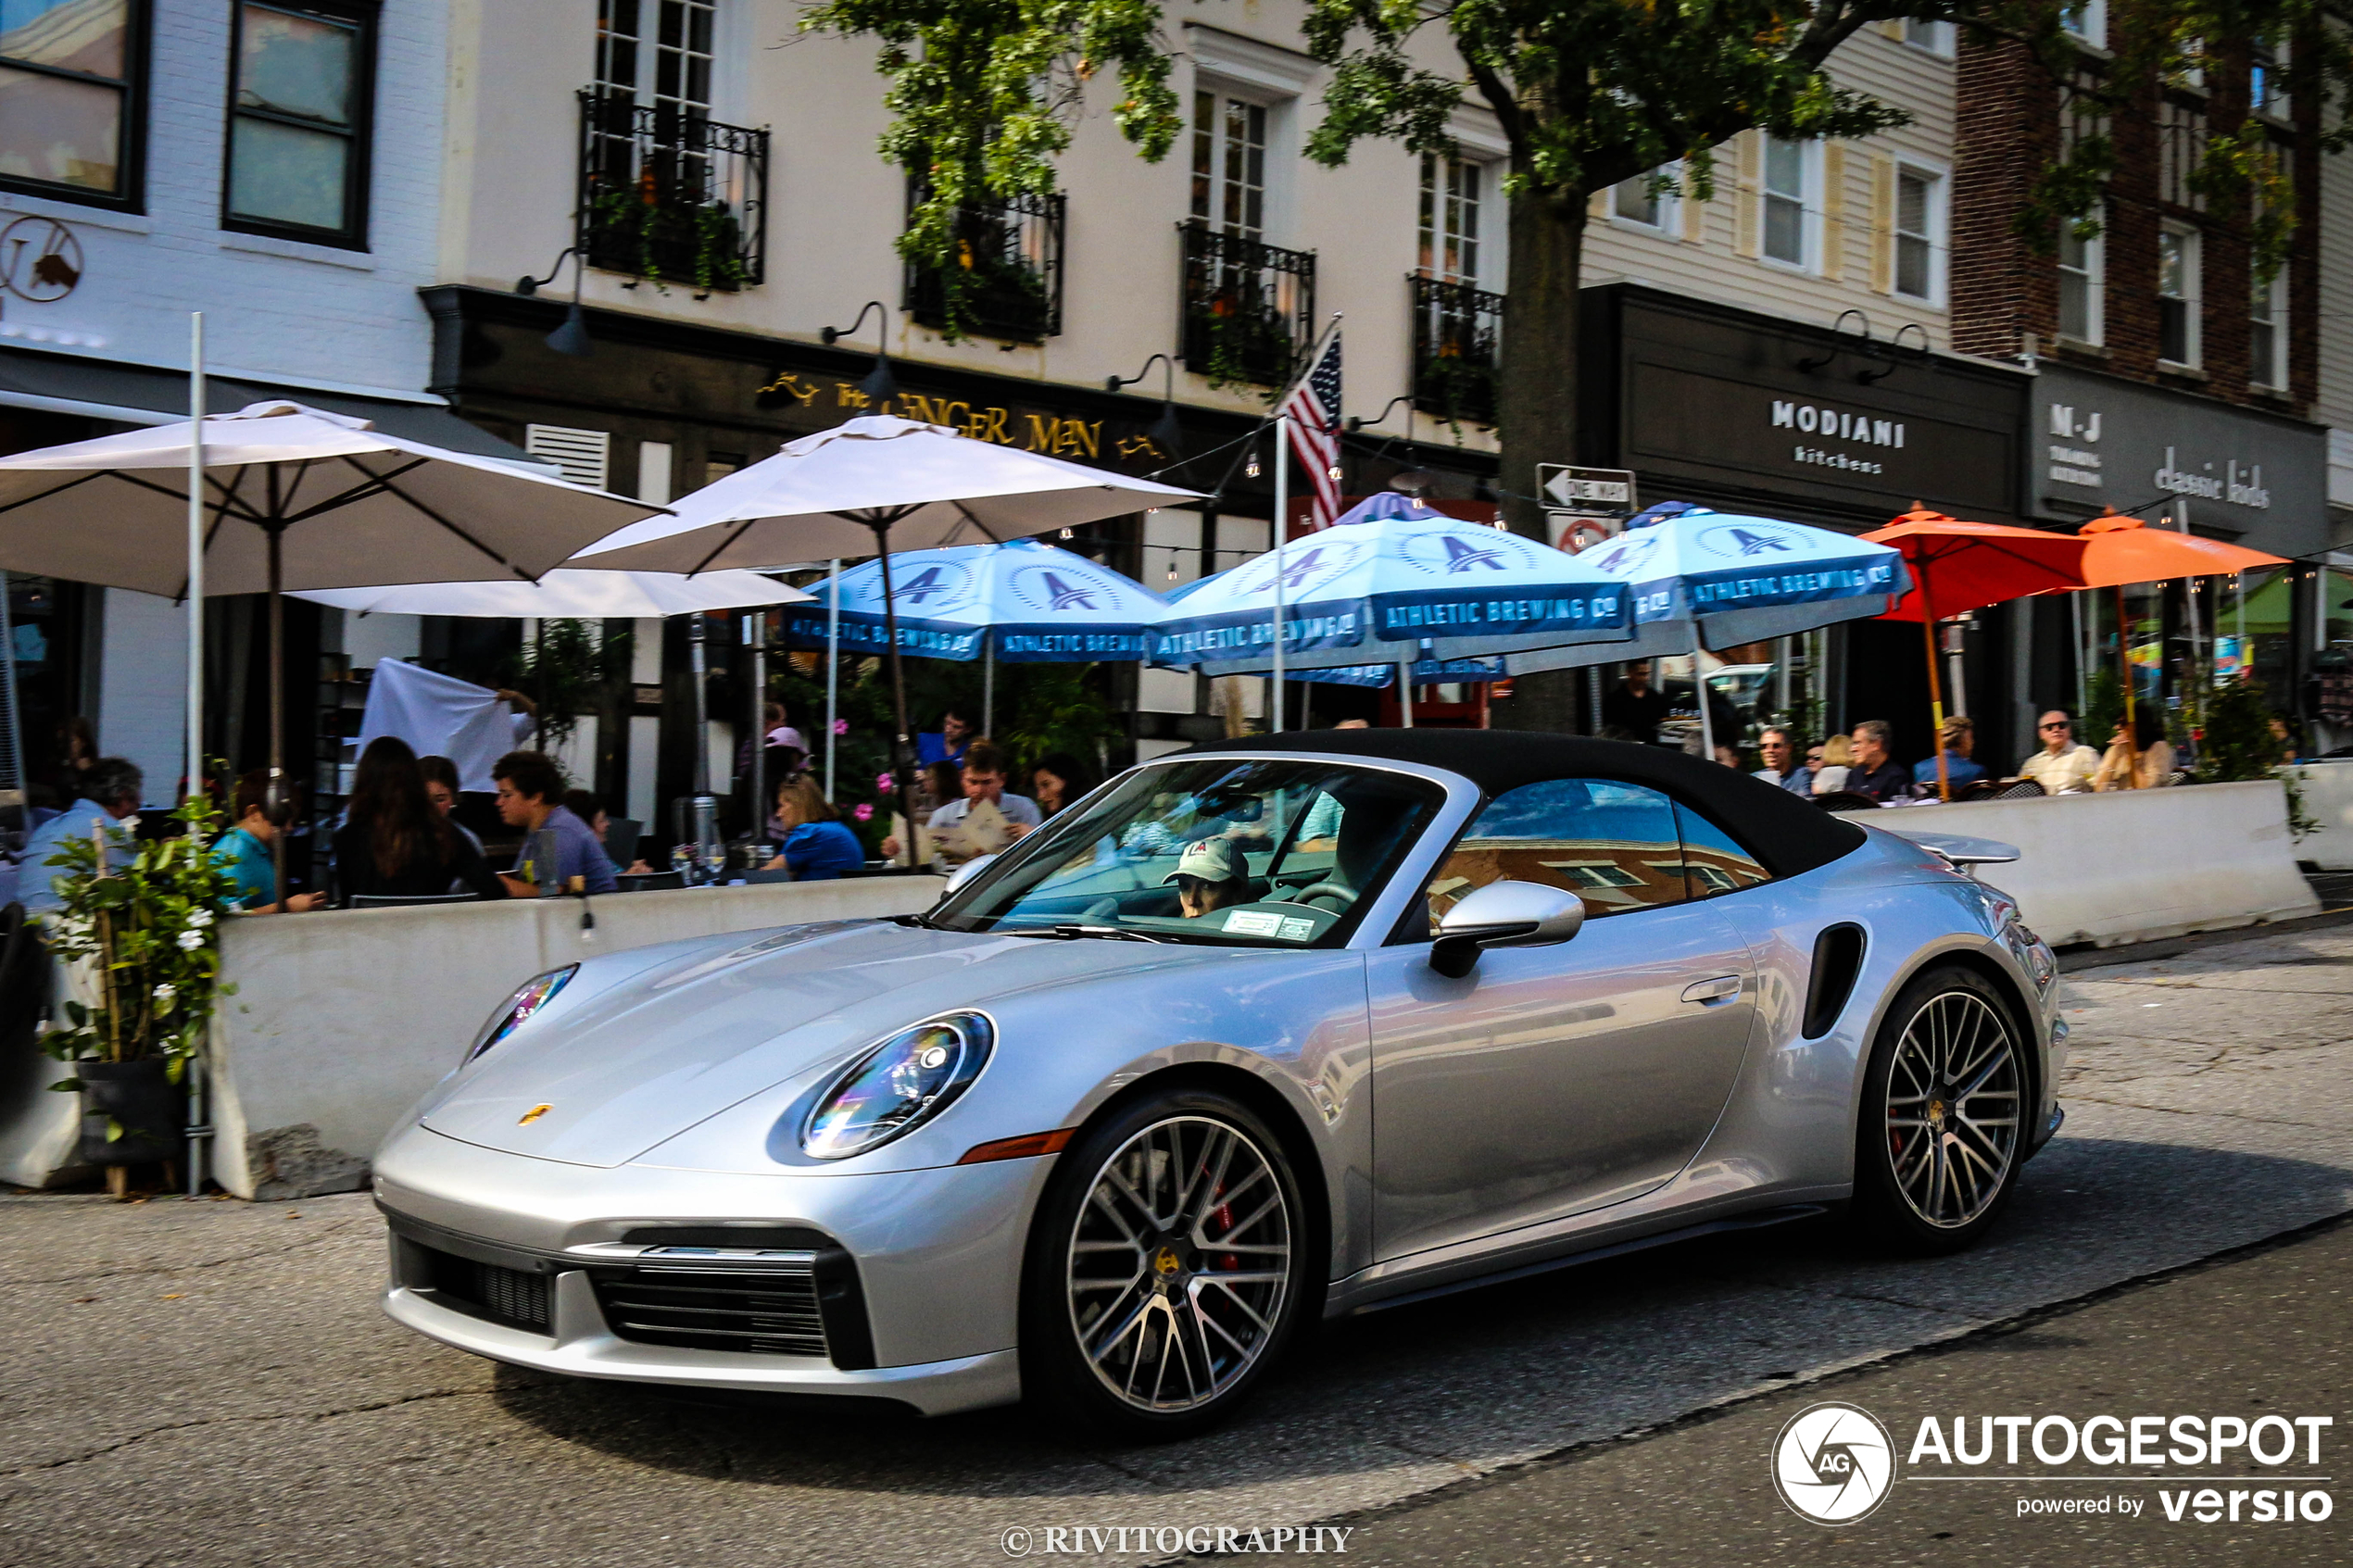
x=2327 y=788
x=2134 y=864
x=341 y=1021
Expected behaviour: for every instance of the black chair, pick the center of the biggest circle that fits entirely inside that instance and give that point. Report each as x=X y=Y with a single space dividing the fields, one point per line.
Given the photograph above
x=651 y=881
x=622 y=835
x=1845 y=800
x=397 y=900
x=2025 y=789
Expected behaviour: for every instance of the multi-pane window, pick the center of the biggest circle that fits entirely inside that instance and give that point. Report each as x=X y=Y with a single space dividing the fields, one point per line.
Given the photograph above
x=1936 y=37
x=1641 y=199
x=1916 y=193
x=1229 y=164
x=2181 y=148
x=2087 y=19
x=1784 y=201
x=2267 y=330
x=2079 y=284
x=299 y=104
x=69 y=90
x=2267 y=78
x=1451 y=190
x=656 y=52
x=2177 y=294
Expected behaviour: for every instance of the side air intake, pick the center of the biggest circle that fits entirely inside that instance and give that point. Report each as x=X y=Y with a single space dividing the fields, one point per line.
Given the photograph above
x=1838 y=960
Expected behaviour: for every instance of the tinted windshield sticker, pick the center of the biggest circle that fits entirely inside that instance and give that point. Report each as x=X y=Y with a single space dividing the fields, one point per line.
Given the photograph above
x=1256 y=922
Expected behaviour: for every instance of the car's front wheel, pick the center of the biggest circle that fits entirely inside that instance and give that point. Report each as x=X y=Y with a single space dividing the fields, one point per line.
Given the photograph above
x=1165 y=1268
x=1938 y=1140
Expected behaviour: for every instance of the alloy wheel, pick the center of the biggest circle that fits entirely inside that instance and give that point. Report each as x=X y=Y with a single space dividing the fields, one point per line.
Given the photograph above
x=1954 y=1098
x=1180 y=1264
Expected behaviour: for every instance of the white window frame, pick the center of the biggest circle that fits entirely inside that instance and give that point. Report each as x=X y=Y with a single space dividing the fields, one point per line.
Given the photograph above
x=1669 y=222
x=2086 y=23
x=1486 y=206
x=1940 y=186
x=2274 y=376
x=1929 y=36
x=2095 y=275
x=1274 y=79
x=1809 y=206
x=1224 y=97
x=2194 y=267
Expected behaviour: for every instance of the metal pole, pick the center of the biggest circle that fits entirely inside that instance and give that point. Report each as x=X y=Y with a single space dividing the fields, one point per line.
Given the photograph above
x=903 y=743
x=987 y=683
x=2189 y=612
x=1706 y=723
x=1282 y=526
x=756 y=633
x=1406 y=691
x=196 y=571
x=697 y=631
x=2083 y=659
x=281 y=794
x=833 y=667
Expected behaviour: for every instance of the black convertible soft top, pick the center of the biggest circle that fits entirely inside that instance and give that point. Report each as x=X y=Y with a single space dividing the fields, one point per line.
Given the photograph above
x=1790 y=834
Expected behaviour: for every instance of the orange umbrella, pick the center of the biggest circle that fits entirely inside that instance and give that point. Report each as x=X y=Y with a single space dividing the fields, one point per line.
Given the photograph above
x=1958 y=566
x=2121 y=550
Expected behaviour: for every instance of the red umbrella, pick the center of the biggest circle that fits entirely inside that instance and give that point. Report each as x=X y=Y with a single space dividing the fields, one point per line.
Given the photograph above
x=1958 y=566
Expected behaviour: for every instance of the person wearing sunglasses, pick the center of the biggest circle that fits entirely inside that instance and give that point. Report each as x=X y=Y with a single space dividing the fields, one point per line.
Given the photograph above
x=2063 y=766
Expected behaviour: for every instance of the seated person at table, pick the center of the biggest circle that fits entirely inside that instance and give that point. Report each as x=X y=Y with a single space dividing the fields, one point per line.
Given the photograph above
x=2141 y=767
x=440 y=788
x=1212 y=875
x=392 y=842
x=812 y=843
x=2063 y=766
x=108 y=791
x=1959 y=739
x=247 y=852
x=1874 y=773
x=984 y=784
x=531 y=792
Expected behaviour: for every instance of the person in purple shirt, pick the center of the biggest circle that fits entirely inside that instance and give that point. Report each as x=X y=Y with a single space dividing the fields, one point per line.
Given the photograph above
x=557 y=845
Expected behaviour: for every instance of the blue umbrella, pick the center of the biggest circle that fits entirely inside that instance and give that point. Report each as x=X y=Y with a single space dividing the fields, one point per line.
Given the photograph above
x=1716 y=580
x=1390 y=583
x=1021 y=602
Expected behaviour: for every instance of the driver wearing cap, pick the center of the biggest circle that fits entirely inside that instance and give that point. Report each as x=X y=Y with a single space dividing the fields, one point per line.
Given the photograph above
x=1212 y=875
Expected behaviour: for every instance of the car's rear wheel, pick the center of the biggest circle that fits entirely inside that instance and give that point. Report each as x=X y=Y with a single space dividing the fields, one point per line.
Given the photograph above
x=1938 y=1143
x=1165 y=1268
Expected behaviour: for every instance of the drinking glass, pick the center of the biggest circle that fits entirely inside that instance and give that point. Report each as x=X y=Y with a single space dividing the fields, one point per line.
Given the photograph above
x=682 y=860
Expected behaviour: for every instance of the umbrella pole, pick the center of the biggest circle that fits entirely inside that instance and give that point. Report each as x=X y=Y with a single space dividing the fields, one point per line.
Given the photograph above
x=1706 y=722
x=758 y=638
x=281 y=797
x=2124 y=661
x=833 y=669
x=1282 y=526
x=195 y=782
x=987 y=684
x=1406 y=692
x=900 y=743
x=1935 y=690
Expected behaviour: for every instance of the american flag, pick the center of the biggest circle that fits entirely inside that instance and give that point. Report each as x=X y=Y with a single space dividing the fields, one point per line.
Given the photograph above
x=1313 y=407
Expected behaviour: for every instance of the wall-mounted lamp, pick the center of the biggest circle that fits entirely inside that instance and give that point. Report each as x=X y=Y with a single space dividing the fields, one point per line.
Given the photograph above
x=1898 y=356
x=879 y=385
x=571 y=337
x=1355 y=423
x=1838 y=340
x=1165 y=433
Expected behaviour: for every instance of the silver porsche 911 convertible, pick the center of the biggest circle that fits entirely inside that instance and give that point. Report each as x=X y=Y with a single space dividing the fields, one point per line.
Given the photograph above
x=1254 y=1035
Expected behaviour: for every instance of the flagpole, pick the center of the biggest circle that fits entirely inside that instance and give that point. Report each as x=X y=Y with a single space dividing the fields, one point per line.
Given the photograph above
x=1282 y=509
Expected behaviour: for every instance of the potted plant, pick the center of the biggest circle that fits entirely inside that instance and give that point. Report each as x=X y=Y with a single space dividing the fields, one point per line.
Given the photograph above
x=141 y=924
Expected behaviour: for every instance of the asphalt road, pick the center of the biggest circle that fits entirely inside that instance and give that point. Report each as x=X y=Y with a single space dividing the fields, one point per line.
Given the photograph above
x=211 y=1383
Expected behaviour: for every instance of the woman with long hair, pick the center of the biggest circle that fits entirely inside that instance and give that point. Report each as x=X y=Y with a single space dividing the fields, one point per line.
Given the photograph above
x=1057 y=780
x=394 y=842
x=812 y=842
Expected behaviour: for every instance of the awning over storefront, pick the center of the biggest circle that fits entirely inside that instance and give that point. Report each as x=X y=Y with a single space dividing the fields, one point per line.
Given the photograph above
x=137 y=395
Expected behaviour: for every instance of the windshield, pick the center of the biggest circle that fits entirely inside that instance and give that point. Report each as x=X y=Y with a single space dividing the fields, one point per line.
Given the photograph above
x=1286 y=854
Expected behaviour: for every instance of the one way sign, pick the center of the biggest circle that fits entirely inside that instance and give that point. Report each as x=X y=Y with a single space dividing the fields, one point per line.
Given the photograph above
x=1588 y=489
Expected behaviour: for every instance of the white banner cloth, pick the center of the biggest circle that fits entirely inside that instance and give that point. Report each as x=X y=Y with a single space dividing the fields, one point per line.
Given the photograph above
x=441 y=716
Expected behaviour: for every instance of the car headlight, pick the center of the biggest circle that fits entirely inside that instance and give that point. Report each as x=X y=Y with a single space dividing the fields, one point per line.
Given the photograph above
x=897 y=1085
x=529 y=997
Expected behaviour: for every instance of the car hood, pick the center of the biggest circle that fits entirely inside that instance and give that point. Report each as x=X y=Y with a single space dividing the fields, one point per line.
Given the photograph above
x=635 y=1065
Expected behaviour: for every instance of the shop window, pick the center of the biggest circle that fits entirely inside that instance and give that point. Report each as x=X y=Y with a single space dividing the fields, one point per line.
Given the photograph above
x=298 y=126
x=2080 y=264
x=2177 y=294
x=71 y=73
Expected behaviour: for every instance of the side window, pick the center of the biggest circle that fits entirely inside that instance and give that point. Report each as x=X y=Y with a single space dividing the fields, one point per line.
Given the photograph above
x=1615 y=846
x=1711 y=860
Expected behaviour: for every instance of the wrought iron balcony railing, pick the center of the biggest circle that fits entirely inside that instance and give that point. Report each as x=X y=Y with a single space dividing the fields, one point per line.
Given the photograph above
x=1247 y=309
x=670 y=197
x=1457 y=332
x=1008 y=270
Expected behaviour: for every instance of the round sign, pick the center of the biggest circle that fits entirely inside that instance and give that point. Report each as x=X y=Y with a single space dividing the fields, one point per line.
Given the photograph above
x=40 y=259
x=1833 y=1463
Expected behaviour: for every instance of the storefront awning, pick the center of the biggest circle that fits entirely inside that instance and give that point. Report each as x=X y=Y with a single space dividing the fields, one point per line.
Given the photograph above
x=137 y=395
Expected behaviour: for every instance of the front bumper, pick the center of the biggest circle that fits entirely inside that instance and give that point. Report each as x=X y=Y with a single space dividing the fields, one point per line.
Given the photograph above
x=919 y=1272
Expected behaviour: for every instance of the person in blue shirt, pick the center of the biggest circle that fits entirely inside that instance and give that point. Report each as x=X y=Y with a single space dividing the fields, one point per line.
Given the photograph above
x=247 y=853
x=558 y=846
x=947 y=744
x=815 y=846
x=1959 y=738
x=109 y=791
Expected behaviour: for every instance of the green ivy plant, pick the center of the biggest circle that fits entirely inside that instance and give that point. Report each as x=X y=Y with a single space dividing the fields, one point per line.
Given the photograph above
x=566 y=671
x=148 y=925
x=707 y=231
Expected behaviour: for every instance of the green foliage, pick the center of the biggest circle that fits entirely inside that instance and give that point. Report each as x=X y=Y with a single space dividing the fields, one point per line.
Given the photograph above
x=649 y=229
x=984 y=94
x=565 y=669
x=2238 y=742
x=148 y=927
x=2103 y=710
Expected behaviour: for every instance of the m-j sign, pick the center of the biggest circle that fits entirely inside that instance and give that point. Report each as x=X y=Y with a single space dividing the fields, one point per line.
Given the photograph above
x=2097 y=442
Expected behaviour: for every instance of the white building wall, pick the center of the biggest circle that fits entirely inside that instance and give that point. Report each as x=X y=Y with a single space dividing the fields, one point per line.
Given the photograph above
x=143 y=687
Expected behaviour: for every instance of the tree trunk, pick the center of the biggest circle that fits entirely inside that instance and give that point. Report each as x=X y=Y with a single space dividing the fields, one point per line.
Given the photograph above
x=1536 y=399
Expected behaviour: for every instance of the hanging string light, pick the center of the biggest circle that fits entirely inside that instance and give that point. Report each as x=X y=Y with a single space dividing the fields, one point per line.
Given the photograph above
x=1250 y=469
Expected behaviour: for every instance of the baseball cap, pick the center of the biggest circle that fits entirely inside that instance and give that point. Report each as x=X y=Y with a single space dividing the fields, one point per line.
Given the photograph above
x=1211 y=859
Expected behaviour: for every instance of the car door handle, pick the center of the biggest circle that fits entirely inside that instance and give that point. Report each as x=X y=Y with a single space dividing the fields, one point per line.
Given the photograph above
x=1716 y=990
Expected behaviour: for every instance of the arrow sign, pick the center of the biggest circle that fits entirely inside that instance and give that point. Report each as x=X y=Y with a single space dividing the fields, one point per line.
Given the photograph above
x=1584 y=489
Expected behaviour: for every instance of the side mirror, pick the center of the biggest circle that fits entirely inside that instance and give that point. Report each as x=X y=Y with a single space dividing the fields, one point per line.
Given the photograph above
x=1505 y=914
x=964 y=873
